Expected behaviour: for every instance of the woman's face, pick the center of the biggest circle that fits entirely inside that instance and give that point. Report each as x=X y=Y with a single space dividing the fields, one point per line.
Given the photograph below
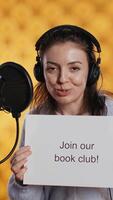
x=65 y=71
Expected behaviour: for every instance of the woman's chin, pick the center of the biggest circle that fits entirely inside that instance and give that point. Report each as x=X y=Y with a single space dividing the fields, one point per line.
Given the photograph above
x=63 y=100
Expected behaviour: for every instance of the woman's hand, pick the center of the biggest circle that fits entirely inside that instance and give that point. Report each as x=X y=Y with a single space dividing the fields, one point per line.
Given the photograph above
x=18 y=162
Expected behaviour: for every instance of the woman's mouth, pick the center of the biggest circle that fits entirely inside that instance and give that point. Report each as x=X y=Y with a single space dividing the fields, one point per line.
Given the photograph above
x=62 y=92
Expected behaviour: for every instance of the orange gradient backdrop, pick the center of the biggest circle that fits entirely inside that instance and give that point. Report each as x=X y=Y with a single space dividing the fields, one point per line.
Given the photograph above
x=22 y=22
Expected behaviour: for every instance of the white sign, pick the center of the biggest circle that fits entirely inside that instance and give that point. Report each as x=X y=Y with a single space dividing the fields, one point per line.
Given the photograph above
x=70 y=150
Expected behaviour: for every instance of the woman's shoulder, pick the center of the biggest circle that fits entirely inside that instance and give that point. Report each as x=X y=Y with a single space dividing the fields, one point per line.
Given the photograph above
x=41 y=110
x=35 y=111
x=109 y=105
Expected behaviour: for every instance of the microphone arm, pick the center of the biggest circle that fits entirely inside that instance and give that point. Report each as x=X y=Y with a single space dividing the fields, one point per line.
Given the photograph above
x=15 y=144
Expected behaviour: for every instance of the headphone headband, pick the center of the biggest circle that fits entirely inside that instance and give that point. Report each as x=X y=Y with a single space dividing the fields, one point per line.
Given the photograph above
x=74 y=29
x=94 y=68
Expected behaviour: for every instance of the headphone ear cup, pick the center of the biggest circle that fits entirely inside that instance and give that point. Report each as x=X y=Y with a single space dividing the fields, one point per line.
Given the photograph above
x=38 y=71
x=93 y=75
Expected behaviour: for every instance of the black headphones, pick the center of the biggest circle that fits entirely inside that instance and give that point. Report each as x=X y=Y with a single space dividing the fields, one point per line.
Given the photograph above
x=94 y=69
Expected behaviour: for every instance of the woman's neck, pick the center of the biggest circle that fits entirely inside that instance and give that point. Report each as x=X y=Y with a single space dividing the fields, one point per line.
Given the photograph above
x=77 y=108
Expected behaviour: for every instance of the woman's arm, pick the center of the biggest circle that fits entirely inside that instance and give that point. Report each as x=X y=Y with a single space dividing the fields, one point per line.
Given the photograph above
x=16 y=189
x=29 y=192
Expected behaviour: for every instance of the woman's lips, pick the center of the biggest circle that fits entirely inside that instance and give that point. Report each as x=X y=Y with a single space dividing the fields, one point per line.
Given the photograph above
x=62 y=93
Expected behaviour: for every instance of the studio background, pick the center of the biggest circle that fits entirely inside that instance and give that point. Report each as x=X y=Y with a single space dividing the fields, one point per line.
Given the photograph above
x=22 y=22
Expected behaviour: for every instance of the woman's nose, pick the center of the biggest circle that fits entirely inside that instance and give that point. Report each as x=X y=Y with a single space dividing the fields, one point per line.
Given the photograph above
x=63 y=77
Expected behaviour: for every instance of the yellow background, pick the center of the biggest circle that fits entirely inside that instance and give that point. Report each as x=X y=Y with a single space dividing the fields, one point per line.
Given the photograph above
x=22 y=22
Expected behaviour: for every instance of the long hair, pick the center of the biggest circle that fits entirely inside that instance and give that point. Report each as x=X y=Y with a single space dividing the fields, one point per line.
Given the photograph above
x=94 y=100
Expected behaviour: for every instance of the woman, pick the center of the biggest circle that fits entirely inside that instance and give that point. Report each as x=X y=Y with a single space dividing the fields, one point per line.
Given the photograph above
x=68 y=71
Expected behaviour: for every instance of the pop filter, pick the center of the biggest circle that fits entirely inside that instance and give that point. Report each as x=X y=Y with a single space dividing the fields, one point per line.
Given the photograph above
x=16 y=92
x=16 y=88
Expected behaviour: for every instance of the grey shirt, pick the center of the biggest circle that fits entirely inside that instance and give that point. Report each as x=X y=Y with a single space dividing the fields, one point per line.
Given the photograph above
x=32 y=192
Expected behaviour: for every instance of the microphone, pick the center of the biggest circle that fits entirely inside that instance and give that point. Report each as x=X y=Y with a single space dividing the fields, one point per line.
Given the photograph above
x=16 y=92
x=16 y=88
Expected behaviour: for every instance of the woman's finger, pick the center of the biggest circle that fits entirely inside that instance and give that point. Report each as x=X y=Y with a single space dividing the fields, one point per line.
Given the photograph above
x=20 y=175
x=17 y=167
x=20 y=151
x=20 y=157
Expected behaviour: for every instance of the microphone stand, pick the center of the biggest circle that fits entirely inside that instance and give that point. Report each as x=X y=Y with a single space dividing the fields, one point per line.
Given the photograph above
x=16 y=116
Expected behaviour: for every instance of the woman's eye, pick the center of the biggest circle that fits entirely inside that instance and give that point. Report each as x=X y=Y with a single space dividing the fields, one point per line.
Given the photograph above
x=51 y=69
x=75 y=68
